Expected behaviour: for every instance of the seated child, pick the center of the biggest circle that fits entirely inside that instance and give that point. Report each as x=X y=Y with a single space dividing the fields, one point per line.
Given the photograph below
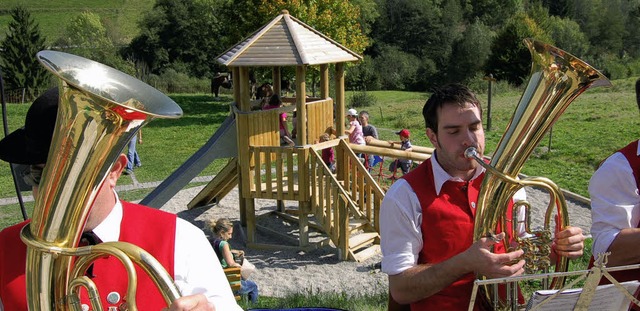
x=404 y=164
x=328 y=153
x=223 y=230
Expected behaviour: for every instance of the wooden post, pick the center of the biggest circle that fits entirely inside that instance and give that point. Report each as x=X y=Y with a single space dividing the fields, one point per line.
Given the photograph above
x=324 y=81
x=247 y=206
x=235 y=75
x=301 y=105
x=277 y=79
x=341 y=166
x=491 y=79
x=340 y=101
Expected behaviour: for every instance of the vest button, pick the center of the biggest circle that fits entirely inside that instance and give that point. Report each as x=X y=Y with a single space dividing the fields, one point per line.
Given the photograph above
x=113 y=298
x=473 y=204
x=85 y=307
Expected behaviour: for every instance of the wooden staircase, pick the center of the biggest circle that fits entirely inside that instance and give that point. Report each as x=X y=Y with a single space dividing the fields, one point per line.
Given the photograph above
x=361 y=239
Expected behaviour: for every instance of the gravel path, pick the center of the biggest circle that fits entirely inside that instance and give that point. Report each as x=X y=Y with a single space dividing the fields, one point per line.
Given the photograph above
x=281 y=272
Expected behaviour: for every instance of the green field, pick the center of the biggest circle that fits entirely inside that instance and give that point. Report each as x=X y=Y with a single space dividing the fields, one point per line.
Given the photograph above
x=53 y=16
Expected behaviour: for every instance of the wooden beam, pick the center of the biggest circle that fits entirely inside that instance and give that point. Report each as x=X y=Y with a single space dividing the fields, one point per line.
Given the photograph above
x=245 y=91
x=340 y=118
x=324 y=81
x=235 y=74
x=301 y=103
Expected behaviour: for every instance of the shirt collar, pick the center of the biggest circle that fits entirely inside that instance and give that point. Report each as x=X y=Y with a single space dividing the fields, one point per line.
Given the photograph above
x=440 y=176
x=109 y=229
x=638 y=151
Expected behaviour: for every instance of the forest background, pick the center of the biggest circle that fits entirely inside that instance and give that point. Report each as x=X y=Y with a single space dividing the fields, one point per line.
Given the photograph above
x=409 y=45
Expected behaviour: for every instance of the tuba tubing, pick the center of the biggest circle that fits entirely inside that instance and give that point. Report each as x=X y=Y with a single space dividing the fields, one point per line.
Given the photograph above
x=100 y=109
x=557 y=78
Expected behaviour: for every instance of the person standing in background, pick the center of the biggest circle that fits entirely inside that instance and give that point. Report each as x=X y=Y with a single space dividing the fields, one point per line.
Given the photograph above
x=133 y=159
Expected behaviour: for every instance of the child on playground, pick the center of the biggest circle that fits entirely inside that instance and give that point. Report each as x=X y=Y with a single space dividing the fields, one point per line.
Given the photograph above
x=328 y=153
x=223 y=231
x=405 y=144
x=355 y=129
x=285 y=136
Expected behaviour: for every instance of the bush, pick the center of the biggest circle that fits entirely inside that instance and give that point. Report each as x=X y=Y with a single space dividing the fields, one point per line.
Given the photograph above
x=172 y=81
x=362 y=99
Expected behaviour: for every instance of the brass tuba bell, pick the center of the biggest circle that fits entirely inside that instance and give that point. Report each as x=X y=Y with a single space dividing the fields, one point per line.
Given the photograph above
x=557 y=78
x=99 y=111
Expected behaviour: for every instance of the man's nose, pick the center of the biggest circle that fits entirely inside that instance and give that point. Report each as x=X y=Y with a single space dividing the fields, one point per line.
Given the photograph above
x=469 y=139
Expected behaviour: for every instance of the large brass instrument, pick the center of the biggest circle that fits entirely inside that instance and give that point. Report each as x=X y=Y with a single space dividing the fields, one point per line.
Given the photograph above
x=100 y=109
x=557 y=78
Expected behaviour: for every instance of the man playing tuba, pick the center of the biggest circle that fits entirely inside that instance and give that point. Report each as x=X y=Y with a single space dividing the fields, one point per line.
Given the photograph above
x=427 y=217
x=615 y=209
x=180 y=247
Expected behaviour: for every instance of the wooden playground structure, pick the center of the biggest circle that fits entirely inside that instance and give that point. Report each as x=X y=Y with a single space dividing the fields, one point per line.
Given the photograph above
x=344 y=205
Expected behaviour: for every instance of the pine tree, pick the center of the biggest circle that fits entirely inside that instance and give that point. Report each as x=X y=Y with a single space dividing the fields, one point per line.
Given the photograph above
x=18 y=62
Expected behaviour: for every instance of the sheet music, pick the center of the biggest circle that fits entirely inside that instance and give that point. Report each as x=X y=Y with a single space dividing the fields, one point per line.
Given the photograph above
x=606 y=298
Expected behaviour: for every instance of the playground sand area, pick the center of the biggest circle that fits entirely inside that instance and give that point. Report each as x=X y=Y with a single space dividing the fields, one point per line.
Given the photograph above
x=282 y=272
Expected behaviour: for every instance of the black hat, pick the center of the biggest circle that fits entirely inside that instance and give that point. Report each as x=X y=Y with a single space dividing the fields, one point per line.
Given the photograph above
x=30 y=144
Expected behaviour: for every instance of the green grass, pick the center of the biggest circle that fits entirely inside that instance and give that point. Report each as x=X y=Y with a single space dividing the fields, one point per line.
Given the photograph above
x=342 y=301
x=53 y=16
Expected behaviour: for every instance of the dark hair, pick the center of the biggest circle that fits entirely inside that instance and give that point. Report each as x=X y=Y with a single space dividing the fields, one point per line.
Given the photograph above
x=449 y=94
x=275 y=100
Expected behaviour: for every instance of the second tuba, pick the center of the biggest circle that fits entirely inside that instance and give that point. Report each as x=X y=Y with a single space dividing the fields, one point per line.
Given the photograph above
x=557 y=78
x=99 y=111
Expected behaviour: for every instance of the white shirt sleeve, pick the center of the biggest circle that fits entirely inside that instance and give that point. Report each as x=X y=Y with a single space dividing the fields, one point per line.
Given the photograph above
x=197 y=268
x=615 y=203
x=400 y=232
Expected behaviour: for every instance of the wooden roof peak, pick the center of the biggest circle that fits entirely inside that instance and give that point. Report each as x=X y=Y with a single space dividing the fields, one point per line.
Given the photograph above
x=286 y=41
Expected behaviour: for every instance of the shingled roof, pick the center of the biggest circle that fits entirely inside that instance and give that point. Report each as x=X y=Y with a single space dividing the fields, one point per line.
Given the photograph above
x=286 y=41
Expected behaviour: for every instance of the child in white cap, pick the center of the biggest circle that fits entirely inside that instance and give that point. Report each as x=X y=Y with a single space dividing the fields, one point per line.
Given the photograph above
x=355 y=129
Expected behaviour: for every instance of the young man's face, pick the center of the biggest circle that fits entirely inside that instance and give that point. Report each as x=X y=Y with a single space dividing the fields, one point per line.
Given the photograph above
x=458 y=129
x=364 y=119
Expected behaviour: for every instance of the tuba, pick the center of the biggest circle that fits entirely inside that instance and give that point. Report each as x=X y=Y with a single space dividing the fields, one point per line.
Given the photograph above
x=99 y=111
x=557 y=78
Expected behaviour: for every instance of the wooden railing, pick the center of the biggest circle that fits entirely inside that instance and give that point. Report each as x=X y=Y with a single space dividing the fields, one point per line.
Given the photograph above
x=362 y=188
x=280 y=173
x=330 y=202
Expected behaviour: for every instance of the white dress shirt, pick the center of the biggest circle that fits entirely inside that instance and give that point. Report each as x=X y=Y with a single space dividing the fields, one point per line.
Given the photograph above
x=197 y=269
x=401 y=219
x=615 y=202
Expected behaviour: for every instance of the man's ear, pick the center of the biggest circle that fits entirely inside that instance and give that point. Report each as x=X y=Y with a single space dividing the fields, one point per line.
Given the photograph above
x=119 y=165
x=433 y=137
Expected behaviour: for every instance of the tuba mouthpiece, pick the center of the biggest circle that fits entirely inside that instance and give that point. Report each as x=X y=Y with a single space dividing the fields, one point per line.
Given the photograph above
x=471 y=153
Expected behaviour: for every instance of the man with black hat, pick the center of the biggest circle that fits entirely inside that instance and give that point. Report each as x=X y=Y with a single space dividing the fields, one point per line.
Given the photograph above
x=180 y=247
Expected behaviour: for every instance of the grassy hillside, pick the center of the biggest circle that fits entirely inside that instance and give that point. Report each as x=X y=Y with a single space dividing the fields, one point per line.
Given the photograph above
x=53 y=16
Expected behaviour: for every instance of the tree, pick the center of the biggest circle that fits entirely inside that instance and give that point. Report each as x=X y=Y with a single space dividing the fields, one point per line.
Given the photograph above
x=470 y=53
x=20 y=67
x=86 y=36
x=343 y=21
x=180 y=32
x=510 y=58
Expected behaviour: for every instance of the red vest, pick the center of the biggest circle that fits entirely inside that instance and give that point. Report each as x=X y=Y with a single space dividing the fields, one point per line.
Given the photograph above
x=630 y=152
x=447 y=230
x=150 y=229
